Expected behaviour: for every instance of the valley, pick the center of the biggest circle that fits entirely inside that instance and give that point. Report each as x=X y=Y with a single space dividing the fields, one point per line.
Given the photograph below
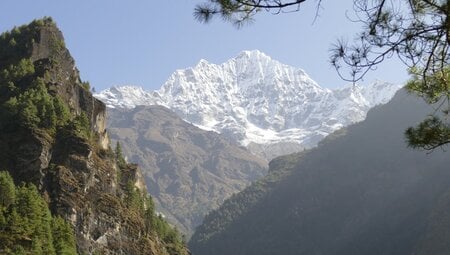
x=280 y=127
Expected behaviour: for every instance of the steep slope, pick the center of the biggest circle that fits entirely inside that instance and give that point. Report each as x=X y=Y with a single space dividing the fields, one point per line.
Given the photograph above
x=27 y=227
x=259 y=102
x=52 y=134
x=361 y=191
x=189 y=171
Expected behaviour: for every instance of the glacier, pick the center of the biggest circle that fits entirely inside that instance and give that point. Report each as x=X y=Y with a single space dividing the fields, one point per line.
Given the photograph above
x=258 y=102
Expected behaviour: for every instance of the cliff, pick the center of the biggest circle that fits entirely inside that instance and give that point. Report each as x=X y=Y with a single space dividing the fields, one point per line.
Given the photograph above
x=52 y=134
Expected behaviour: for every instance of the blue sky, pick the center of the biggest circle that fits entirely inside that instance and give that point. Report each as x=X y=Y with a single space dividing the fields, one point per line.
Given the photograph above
x=141 y=42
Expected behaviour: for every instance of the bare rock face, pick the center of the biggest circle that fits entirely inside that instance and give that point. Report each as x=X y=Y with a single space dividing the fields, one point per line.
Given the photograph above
x=189 y=171
x=64 y=80
x=78 y=175
x=23 y=152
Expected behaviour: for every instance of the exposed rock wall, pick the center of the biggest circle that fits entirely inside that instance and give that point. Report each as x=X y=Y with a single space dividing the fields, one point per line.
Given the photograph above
x=79 y=176
x=63 y=79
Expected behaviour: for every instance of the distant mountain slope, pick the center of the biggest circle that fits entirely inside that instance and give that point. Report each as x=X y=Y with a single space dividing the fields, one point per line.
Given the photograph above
x=272 y=108
x=189 y=171
x=361 y=191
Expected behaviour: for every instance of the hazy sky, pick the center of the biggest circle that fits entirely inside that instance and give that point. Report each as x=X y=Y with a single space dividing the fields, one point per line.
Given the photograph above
x=141 y=42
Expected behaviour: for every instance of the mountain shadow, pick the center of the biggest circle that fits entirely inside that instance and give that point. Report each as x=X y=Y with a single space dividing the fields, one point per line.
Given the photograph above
x=361 y=191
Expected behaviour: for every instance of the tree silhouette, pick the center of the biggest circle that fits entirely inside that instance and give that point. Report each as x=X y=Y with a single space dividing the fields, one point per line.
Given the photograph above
x=415 y=31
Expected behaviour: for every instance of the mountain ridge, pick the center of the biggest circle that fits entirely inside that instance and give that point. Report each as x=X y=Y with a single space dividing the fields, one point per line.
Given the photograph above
x=360 y=191
x=53 y=137
x=257 y=102
x=189 y=171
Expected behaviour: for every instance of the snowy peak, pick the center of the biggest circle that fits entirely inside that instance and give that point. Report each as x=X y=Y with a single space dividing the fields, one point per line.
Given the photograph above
x=257 y=101
x=128 y=97
x=253 y=54
x=251 y=57
x=379 y=92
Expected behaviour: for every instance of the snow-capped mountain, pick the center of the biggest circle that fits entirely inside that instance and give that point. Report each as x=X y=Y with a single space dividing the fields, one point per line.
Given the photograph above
x=259 y=102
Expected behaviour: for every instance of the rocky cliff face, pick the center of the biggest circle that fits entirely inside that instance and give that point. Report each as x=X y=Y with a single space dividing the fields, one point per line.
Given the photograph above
x=189 y=171
x=63 y=79
x=53 y=135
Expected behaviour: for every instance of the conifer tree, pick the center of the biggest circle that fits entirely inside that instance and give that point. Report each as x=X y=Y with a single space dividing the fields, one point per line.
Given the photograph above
x=119 y=156
x=63 y=237
x=7 y=190
x=26 y=225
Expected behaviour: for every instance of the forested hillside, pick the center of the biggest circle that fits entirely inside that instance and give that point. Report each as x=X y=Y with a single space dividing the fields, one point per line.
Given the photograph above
x=26 y=225
x=76 y=190
x=361 y=191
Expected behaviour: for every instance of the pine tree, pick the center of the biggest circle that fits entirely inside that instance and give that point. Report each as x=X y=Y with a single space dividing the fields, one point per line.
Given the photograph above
x=7 y=190
x=26 y=225
x=119 y=156
x=63 y=237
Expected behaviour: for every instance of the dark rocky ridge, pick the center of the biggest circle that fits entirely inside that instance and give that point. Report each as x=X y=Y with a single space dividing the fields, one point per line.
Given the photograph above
x=79 y=177
x=31 y=150
x=361 y=191
x=189 y=171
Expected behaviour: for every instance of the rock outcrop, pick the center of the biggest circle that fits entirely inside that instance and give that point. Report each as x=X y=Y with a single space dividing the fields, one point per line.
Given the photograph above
x=69 y=160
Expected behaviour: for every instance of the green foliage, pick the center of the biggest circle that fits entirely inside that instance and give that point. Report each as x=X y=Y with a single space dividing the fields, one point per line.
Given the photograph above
x=434 y=88
x=26 y=225
x=79 y=126
x=82 y=125
x=135 y=200
x=434 y=131
x=86 y=85
x=23 y=97
x=16 y=72
x=7 y=190
x=142 y=204
x=57 y=45
x=418 y=33
x=237 y=12
x=429 y=134
x=13 y=76
x=34 y=108
x=63 y=237
x=14 y=45
x=121 y=162
x=35 y=220
x=61 y=110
